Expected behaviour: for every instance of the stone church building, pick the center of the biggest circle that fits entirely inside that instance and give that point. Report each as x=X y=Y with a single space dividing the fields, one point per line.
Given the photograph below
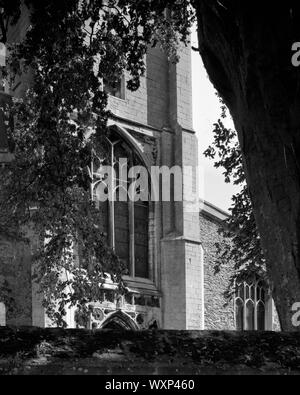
x=168 y=246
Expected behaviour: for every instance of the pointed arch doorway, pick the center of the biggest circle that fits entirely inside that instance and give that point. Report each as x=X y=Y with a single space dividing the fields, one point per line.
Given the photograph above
x=120 y=321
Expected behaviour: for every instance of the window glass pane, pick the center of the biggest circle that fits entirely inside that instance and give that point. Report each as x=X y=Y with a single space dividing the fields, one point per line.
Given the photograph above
x=103 y=226
x=260 y=317
x=141 y=214
x=249 y=316
x=240 y=292
x=262 y=295
x=124 y=229
x=247 y=291
x=122 y=232
x=239 y=312
x=115 y=86
x=252 y=292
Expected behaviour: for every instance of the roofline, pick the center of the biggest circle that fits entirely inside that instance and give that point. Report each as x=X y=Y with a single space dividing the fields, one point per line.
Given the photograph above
x=213 y=211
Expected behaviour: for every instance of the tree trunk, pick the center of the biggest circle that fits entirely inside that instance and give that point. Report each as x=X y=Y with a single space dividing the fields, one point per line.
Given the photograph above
x=246 y=50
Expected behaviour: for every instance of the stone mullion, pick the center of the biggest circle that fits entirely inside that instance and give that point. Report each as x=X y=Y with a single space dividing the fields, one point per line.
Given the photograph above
x=255 y=306
x=131 y=230
x=112 y=235
x=245 y=309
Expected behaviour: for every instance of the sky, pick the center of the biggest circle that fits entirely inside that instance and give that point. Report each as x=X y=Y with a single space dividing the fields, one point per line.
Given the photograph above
x=206 y=111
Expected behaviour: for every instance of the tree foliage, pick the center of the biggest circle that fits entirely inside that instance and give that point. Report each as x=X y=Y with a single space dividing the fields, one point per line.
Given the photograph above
x=241 y=238
x=70 y=46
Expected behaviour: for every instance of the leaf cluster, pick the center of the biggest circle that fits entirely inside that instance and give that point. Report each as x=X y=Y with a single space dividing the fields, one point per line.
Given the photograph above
x=241 y=238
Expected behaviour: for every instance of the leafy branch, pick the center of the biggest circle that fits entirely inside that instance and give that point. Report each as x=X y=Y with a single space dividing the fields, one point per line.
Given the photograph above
x=241 y=238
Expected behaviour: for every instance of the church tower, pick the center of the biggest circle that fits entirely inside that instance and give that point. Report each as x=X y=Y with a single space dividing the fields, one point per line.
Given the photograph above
x=158 y=119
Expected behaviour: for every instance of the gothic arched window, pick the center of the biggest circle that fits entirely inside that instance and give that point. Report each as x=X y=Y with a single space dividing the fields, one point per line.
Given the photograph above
x=250 y=305
x=125 y=223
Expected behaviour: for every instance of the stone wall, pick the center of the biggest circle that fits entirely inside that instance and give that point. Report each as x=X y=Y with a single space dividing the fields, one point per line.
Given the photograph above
x=173 y=284
x=219 y=312
x=157 y=81
x=194 y=286
x=149 y=104
x=15 y=268
x=134 y=106
x=184 y=88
